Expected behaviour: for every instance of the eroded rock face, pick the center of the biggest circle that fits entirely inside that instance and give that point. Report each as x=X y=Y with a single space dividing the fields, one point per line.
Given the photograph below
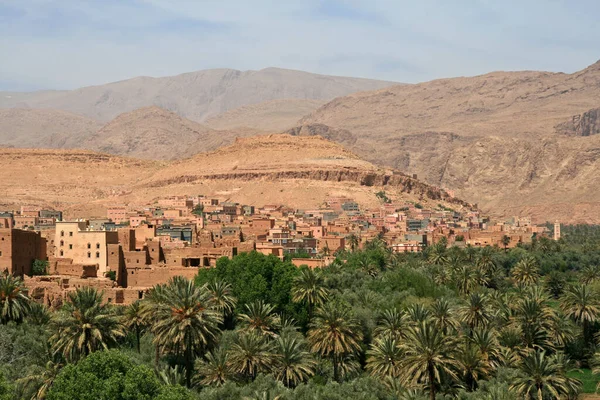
x=586 y=124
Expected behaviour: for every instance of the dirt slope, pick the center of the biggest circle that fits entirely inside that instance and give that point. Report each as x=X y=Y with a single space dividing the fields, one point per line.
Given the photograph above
x=281 y=169
x=44 y=128
x=500 y=139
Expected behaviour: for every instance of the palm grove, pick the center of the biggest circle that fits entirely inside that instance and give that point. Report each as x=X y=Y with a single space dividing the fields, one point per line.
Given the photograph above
x=449 y=323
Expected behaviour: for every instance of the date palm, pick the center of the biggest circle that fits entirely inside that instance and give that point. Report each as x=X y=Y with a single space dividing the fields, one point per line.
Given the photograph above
x=221 y=297
x=133 y=319
x=391 y=323
x=293 y=362
x=429 y=354
x=14 y=301
x=417 y=313
x=309 y=288
x=474 y=365
x=185 y=321
x=260 y=317
x=334 y=334
x=42 y=381
x=442 y=314
x=214 y=369
x=251 y=353
x=84 y=325
x=476 y=312
x=581 y=303
x=542 y=376
x=384 y=358
x=526 y=271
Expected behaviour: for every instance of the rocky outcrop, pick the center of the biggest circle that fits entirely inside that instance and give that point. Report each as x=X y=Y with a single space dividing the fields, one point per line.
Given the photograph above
x=586 y=124
x=395 y=180
x=342 y=136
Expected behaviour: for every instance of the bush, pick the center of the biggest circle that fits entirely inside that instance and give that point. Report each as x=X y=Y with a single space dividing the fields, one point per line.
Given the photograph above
x=39 y=267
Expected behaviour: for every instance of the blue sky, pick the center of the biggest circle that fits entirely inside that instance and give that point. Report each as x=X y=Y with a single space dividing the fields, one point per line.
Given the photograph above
x=64 y=44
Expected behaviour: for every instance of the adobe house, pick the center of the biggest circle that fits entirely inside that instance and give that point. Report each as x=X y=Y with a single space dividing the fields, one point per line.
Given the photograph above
x=19 y=249
x=74 y=241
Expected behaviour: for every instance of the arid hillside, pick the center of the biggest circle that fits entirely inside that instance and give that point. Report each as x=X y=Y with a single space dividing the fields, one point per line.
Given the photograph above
x=44 y=128
x=155 y=133
x=514 y=142
x=282 y=169
x=269 y=116
x=196 y=95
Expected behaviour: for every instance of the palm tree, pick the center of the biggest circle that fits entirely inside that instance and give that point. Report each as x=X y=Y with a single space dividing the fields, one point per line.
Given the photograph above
x=505 y=242
x=590 y=273
x=221 y=297
x=443 y=315
x=541 y=375
x=251 y=354
x=14 y=301
x=334 y=334
x=294 y=364
x=475 y=314
x=84 y=325
x=148 y=309
x=582 y=304
x=38 y=314
x=384 y=358
x=368 y=265
x=391 y=323
x=473 y=365
x=42 y=382
x=261 y=318
x=428 y=355
x=417 y=313
x=354 y=242
x=526 y=271
x=184 y=320
x=214 y=369
x=464 y=278
x=133 y=319
x=309 y=288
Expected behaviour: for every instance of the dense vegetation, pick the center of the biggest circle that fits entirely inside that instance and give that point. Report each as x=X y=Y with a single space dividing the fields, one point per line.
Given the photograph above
x=451 y=323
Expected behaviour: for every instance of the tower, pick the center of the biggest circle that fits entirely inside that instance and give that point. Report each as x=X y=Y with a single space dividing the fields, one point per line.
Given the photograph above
x=556 y=230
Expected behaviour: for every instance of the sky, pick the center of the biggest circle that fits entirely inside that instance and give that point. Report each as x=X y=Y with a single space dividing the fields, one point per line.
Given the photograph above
x=65 y=44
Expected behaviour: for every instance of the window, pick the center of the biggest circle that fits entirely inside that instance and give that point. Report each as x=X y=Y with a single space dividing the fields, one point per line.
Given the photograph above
x=62 y=243
x=0 y=254
x=71 y=234
x=89 y=245
x=61 y=253
x=62 y=233
x=97 y=254
x=70 y=247
x=89 y=255
x=97 y=245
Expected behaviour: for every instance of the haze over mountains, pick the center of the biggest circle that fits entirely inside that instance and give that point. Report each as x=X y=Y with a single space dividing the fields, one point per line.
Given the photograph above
x=514 y=142
x=195 y=95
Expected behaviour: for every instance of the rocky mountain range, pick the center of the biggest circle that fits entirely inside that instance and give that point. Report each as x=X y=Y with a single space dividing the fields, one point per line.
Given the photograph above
x=196 y=95
x=516 y=143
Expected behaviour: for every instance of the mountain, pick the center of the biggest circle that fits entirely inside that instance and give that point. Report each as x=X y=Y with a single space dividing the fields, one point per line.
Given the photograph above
x=274 y=169
x=44 y=128
x=268 y=116
x=513 y=142
x=196 y=95
x=155 y=133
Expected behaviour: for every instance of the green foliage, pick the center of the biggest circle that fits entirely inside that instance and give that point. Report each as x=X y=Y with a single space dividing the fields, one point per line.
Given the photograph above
x=105 y=375
x=254 y=276
x=6 y=391
x=39 y=267
x=198 y=210
x=112 y=275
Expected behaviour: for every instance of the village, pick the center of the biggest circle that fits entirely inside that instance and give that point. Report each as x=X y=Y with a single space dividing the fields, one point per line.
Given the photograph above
x=129 y=250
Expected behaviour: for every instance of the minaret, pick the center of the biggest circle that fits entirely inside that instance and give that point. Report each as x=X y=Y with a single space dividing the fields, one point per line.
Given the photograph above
x=556 y=230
